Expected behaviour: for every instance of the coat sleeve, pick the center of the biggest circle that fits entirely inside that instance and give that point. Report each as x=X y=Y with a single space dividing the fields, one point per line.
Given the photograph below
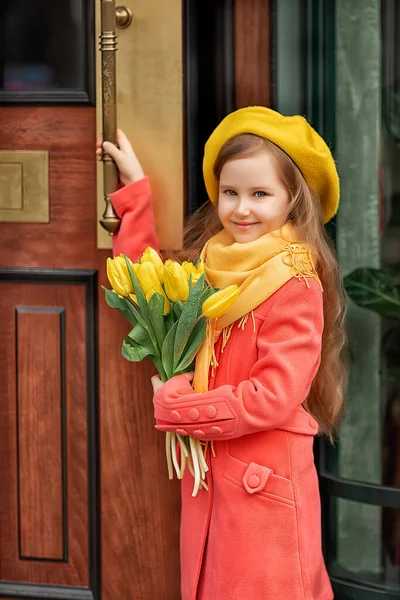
x=289 y=349
x=137 y=231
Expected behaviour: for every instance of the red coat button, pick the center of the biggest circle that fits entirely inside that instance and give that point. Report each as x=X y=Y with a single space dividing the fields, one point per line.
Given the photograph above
x=211 y=412
x=182 y=431
x=199 y=433
x=216 y=430
x=194 y=414
x=253 y=481
x=175 y=416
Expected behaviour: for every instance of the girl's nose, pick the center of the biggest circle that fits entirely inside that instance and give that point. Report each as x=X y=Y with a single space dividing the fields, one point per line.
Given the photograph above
x=242 y=208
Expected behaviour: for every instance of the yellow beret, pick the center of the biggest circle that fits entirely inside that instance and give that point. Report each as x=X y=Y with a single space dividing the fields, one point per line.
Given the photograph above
x=294 y=135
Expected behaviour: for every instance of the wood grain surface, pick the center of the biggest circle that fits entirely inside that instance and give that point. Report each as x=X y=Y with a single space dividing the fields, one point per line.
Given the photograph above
x=140 y=508
x=252 y=52
x=23 y=427
x=39 y=406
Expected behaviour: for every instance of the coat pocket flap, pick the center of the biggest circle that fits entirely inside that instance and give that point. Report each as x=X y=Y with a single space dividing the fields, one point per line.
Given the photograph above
x=256 y=477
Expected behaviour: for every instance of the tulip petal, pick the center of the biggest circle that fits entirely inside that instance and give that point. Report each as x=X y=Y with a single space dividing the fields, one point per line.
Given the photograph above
x=150 y=255
x=216 y=305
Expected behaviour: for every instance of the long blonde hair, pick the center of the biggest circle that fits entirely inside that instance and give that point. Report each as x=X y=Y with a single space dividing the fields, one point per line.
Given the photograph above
x=325 y=400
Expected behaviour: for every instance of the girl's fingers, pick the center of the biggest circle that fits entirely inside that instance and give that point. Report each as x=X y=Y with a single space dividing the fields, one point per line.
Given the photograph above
x=112 y=150
x=189 y=375
x=156 y=382
x=123 y=141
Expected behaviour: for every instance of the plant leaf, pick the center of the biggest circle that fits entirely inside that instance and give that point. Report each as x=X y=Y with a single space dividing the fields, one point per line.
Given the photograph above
x=140 y=336
x=374 y=289
x=188 y=319
x=155 y=311
x=142 y=303
x=121 y=304
x=167 y=352
x=169 y=320
x=177 y=309
x=133 y=351
x=192 y=347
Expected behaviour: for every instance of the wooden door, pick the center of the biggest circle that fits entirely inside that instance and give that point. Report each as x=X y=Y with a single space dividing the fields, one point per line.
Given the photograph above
x=86 y=509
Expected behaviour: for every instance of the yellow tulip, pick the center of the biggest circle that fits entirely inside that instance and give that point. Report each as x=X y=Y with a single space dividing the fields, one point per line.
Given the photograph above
x=134 y=298
x=147 y=277
x=150 y=283
x=216 y=305
x=118 y=275
x=175 y=281
x=191 y=269
x=150 y=255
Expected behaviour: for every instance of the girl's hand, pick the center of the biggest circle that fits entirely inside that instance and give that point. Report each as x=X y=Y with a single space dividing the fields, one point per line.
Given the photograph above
x=157 y=383
x=130 y=169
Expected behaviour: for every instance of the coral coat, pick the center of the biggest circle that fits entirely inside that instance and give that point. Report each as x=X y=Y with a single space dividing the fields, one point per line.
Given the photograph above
x=256 y=534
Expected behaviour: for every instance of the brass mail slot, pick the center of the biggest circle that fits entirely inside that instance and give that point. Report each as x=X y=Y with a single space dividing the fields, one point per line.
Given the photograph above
x=24 y=186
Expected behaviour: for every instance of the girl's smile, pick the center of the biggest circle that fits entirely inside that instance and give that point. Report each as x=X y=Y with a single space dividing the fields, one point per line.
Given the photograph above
x=252 y=200
x=244 y=226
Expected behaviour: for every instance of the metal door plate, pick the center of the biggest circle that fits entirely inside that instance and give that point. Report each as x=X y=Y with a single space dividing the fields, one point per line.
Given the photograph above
x=24 y=186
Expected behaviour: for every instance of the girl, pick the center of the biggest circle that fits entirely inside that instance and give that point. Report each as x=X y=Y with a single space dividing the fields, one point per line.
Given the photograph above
x=276 y=377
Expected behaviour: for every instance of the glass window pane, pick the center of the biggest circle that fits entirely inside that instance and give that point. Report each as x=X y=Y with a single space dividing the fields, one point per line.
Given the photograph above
x=367 y=544
x=368 y=229
x=42 y=45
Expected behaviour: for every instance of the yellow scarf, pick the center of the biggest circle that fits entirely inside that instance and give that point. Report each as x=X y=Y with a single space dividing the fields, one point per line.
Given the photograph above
x=259 y=268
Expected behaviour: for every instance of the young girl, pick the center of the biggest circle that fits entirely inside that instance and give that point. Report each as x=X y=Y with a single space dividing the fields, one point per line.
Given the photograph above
x=276 y=377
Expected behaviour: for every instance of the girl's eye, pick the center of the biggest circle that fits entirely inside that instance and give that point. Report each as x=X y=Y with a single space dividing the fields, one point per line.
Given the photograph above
x=230 y=192
x=260 y=194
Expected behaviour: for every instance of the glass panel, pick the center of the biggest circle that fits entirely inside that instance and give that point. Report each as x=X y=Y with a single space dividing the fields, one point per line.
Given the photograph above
x=42 y=45
x=353 y=558
x=368 y=229
x=367 y=235
x=289 y=57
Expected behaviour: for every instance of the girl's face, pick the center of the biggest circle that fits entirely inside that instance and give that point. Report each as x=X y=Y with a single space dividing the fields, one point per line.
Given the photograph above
x=252 y=200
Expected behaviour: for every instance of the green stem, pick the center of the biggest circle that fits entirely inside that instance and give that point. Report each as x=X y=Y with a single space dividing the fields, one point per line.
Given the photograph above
x=159 y=366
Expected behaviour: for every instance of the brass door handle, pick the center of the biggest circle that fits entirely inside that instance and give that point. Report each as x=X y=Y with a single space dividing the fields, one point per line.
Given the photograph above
x=111 y=17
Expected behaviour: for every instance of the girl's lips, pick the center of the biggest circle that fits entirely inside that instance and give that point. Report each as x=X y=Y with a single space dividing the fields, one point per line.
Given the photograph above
x=243 y=226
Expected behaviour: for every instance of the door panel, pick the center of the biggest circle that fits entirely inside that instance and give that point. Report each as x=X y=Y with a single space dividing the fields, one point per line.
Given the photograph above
x=86 y=508
x=68 y=133
x=43 y=439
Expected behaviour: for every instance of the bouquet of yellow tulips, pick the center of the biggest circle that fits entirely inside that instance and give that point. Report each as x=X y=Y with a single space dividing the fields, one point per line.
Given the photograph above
x=168 y=305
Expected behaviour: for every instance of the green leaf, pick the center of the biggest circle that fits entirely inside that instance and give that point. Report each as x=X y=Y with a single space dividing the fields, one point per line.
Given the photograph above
x=121 y=304
x=140 y=336
x=177 y=309
x=192 y=347
x=136 y=313
x=133 y=351
x=374 y=289
x=169 y=321
x=142 y=303
x=155 y=310
x=188 y=319
x=167 y=353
